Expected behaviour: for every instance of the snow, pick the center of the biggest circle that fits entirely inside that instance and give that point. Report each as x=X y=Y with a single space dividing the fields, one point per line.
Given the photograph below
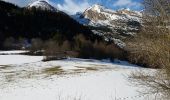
x=37 y=4
x=13 y=52
x=97 y=8
x=114 y=20
x=119 y=43
x=43 y=4
x=126 y=14
x=113 y=16
x=23 y=78
x=18 y=59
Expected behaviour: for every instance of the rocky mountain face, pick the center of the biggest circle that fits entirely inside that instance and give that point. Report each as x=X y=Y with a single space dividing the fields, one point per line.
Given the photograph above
x=112 y=25
x=42 y=4
x=100 y=13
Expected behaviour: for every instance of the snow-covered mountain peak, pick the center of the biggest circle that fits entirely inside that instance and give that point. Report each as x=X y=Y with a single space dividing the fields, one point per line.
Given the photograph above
x=38 y=3
x=100 y=13
x=96 y=7
x=42 y=4
x=112 y=25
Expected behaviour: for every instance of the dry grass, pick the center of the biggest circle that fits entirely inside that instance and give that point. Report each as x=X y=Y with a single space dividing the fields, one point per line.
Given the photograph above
x=5 y=66
x=56 y=70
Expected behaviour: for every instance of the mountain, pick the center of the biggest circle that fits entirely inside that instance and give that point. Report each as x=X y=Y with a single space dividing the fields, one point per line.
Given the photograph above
x=99 y=13
x=19 y=22
x=56 y=32
x=42 y=4
x=109 y=24
x=112 y=25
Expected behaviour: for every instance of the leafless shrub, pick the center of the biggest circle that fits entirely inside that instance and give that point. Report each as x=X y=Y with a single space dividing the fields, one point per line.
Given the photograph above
x=98 y=50
x=154 y=83
x=14 y=43
x=66 y=46
x=9 y=43
x=36 y=44
x=151 y=47
x=52 y=50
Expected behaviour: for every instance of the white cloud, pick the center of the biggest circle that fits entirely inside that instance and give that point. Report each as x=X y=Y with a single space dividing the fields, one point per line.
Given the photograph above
x=21 y=3
x=126 y=3
x=71 y=7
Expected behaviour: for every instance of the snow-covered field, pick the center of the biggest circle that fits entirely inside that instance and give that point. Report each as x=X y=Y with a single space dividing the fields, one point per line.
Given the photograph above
x=13 y=52
x=28 y=78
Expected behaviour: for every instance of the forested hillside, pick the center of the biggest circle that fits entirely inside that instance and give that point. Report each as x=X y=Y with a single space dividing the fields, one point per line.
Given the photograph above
x=36 y=23
x=54 y=32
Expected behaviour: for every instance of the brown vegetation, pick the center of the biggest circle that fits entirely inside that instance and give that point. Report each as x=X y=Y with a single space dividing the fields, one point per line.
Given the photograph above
x=98 y=50
x=79 y=47
x=151 y=47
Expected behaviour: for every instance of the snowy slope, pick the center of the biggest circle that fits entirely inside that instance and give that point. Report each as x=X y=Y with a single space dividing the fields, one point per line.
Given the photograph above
x=113 y=25
x=42 y=4
x=98 y=13
x=13 y=52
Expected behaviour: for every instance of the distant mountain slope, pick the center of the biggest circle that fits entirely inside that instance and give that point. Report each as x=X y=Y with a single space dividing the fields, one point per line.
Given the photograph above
x=7 y=6
x=112 y=25
x=98 y=12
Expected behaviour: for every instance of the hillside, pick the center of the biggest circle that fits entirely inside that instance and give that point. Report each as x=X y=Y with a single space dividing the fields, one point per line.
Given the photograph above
x=41 y=28
x=113 y=25
x=34 y=22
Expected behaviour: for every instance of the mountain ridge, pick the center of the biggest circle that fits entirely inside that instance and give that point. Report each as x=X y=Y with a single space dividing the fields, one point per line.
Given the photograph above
x=43 y=5
x=113 y=25
x=93 y=12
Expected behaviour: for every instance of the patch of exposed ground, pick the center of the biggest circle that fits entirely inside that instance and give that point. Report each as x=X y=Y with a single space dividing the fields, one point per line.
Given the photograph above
x=56 y=70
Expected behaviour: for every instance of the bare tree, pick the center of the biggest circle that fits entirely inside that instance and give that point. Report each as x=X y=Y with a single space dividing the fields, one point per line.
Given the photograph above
x=9 y=43
x=151 y=47
x=66 y=46
x=36 y=44
x=53 y=51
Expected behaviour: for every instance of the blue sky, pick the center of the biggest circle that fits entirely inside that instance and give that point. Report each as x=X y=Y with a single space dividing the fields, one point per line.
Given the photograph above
x=134 y=4
x=73 y=6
